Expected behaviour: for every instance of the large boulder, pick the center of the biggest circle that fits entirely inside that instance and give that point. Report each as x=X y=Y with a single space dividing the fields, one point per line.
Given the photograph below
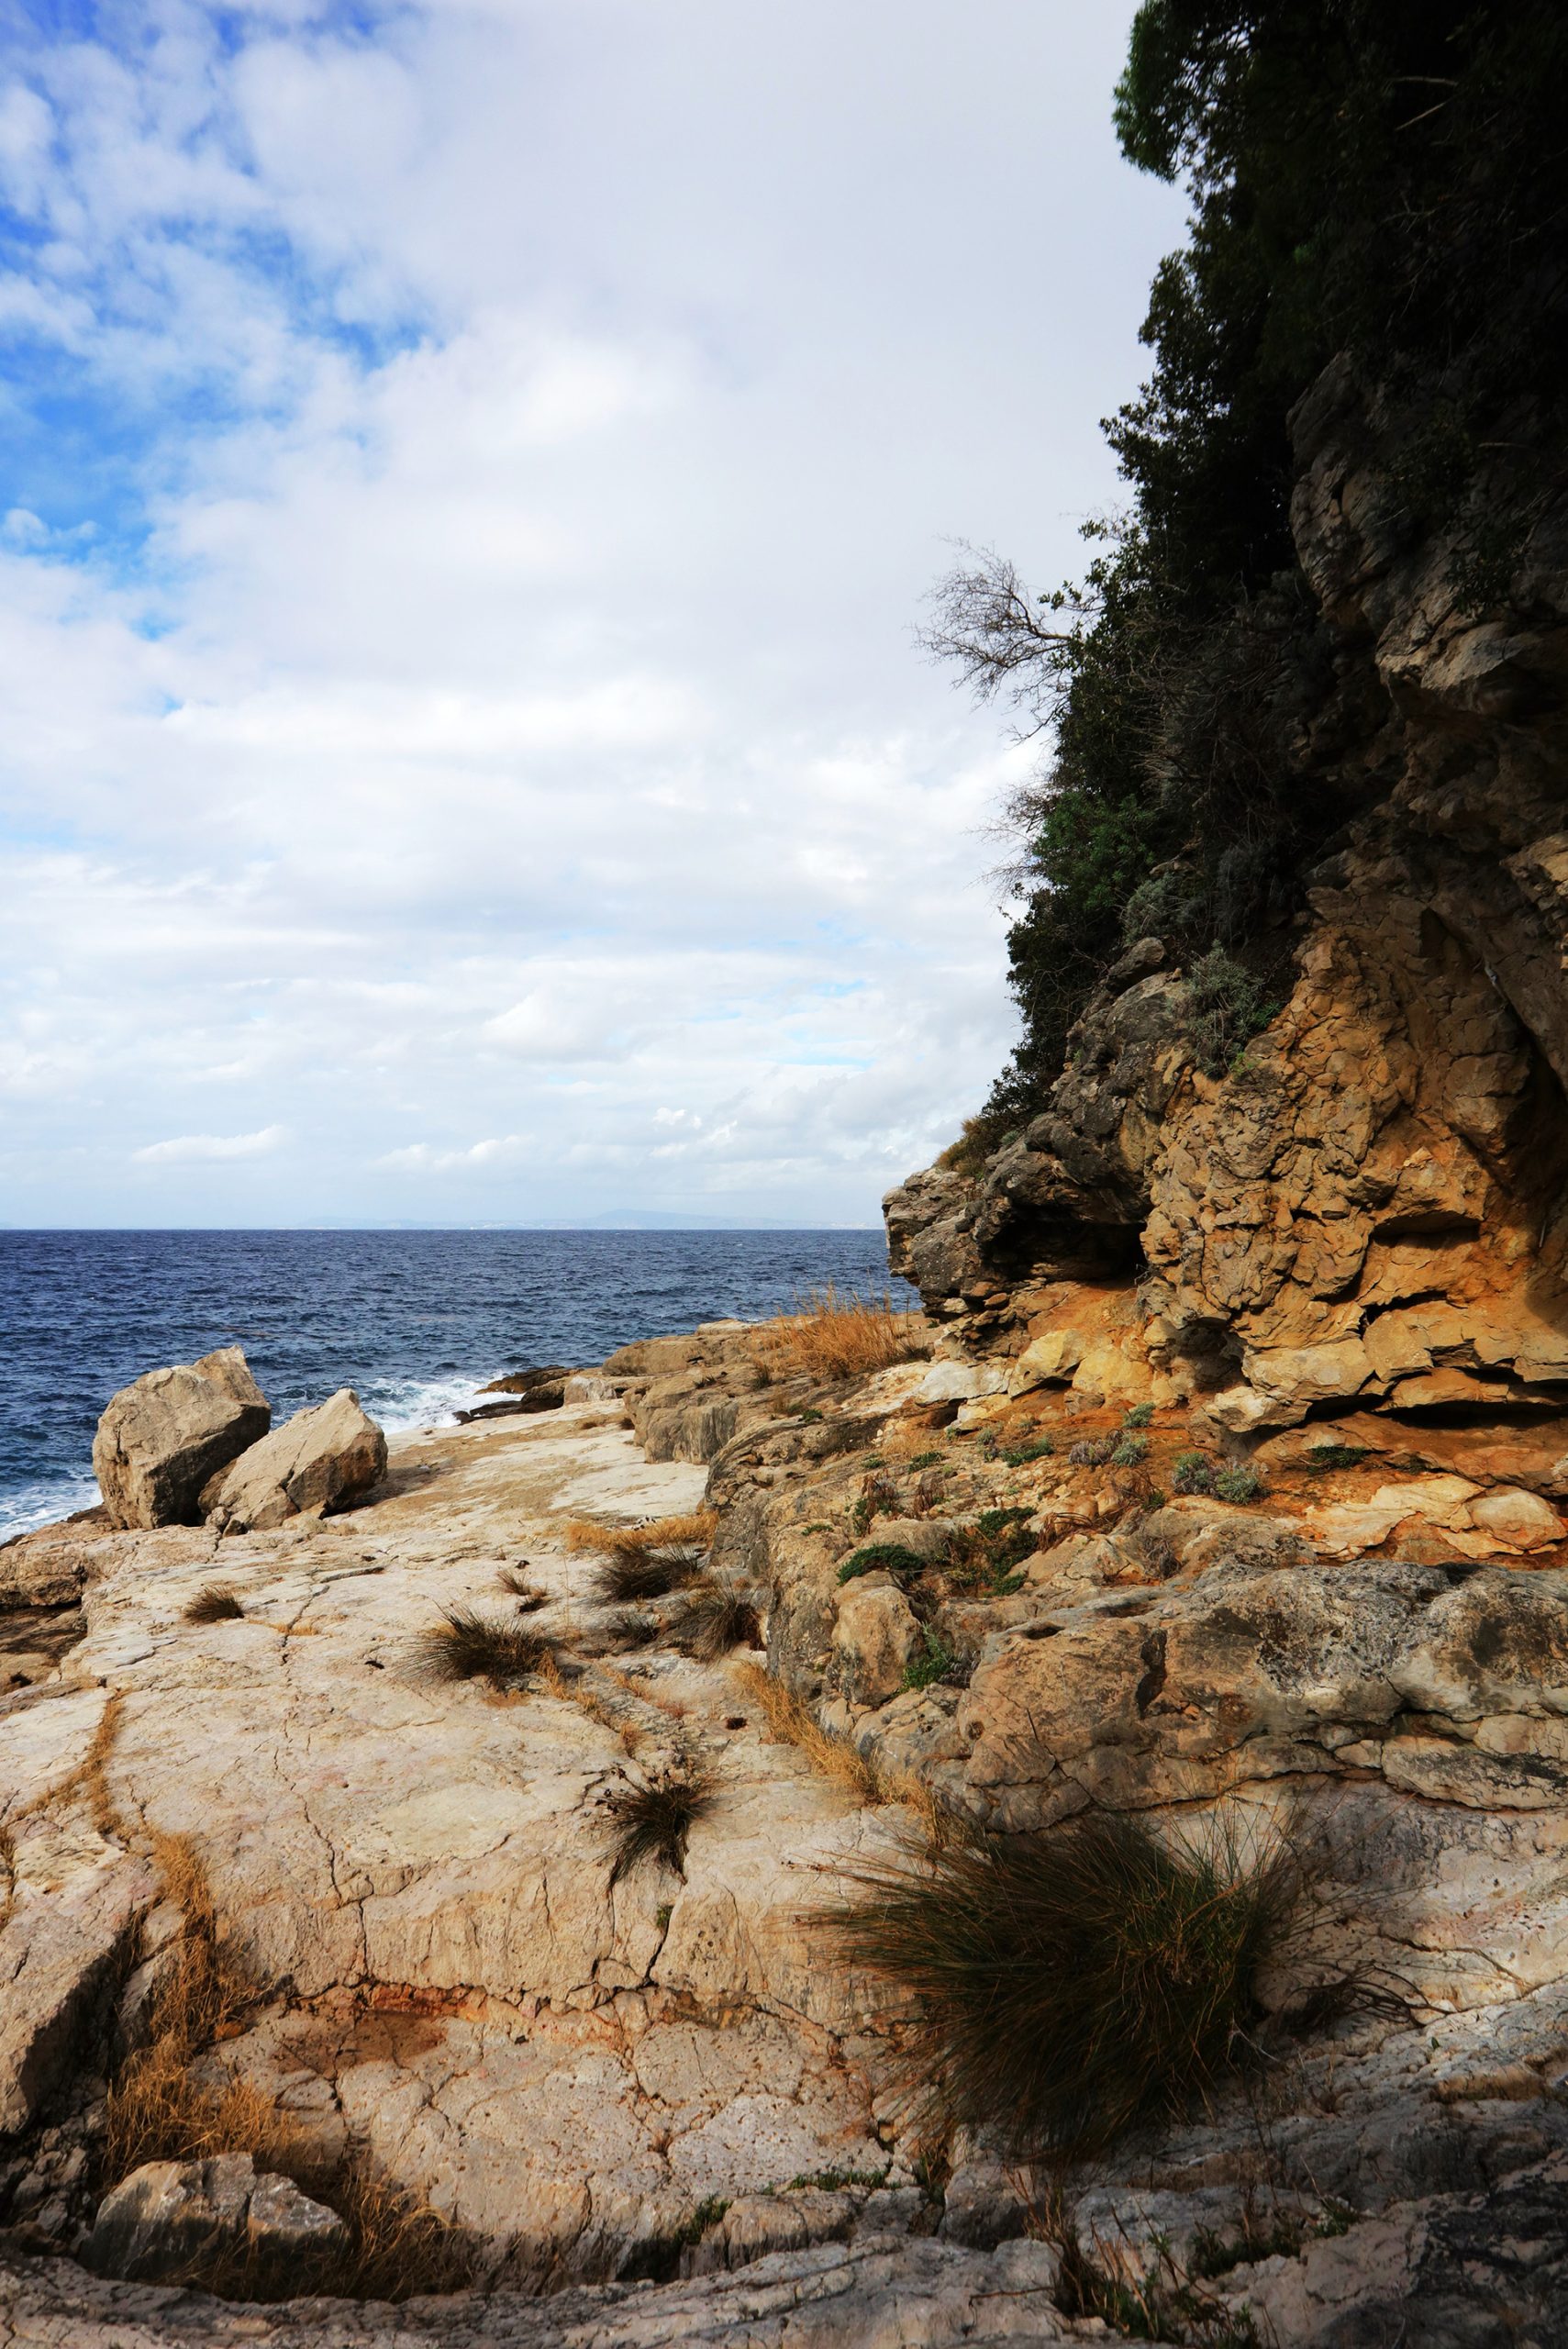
x=321 y=1460
x=166 y=1435
x=169 y=2218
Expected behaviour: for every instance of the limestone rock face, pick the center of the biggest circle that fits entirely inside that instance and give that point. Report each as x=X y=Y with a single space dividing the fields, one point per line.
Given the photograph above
x=1368 y=1205
x=321 y=1460
x=165 y=1435
x=167 y=2215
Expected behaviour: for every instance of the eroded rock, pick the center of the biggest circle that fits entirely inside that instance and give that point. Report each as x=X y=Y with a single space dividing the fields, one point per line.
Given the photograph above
x=321 y=1460
x=162 y=1437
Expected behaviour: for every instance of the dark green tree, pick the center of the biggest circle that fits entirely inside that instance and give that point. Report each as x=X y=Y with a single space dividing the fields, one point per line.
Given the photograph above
x=1382 y=179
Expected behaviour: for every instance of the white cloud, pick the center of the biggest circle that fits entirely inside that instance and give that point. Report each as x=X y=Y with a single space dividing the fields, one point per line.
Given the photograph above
x=189 y=1149
x=507 y=762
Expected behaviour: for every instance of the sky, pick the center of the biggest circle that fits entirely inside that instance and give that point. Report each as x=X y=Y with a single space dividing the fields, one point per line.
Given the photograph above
x=471 y=472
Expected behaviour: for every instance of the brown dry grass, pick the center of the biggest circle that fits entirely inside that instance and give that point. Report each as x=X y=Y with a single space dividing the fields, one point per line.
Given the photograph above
x=832 y=1333
x=794 y=1723
x=156 y=2112
x=695 y=1529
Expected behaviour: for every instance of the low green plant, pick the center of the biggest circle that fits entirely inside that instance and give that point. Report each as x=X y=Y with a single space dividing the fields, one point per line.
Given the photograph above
x=934 y=1663
x=1237 y=1482
x=927 y=1459
x=708 y=2213
x=808 y=1418
x=833 y=2181
x=1091 y=1452
x=980 y=1557
x=214 y=1603
x=1280 y=2235
x=1227 y=1007
x=651 y=1819
x=1130 y=1452
x=1040 y=1449
x=1058 y=1987
x=466 y=1646
x=1325 y=1456
x=1191 y=1473
x=890 y=1556
x=1140 y=1414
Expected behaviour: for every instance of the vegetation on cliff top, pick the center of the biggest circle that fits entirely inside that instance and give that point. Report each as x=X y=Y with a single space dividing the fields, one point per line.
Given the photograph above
x=1383 y=178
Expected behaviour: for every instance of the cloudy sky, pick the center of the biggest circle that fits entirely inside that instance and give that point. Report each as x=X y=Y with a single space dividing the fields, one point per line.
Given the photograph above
x=471 y=472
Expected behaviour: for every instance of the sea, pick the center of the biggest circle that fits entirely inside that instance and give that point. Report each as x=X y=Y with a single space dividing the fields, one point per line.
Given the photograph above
x=414 y=1321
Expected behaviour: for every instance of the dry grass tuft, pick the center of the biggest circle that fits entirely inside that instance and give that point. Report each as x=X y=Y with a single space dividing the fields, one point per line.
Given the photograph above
x=1059 y=1987
x=214 y=1603
x=466 y=1646
x=631 y=1577
x=528 y=1595
x=651 y=1821
x=695 y=1529
x=794 y=1723
x=832 y=1333
x=716 y=1617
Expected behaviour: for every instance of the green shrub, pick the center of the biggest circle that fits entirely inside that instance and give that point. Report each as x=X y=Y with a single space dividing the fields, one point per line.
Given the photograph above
x=927 y=1459
x=892 y=1556
x=937 y=1662
x=1238 y=1484
x=1228 y=1006
x=1040 y=1449
x=1059 y=1987
x=1139 y=1416
x=1325 y=1456
x=1192 y=1474
x=1130 y=1452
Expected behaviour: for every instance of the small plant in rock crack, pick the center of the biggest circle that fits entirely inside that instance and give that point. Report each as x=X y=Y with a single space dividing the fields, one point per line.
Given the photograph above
x=214 y=1603
x=927 y=1460
x=1323 y=1457
x=928 y=1495
x=891 y=1557
x=1237 y=1482
x=716 y=1617
x=981 y=1556
x=939 y=1661
x=1020 y=1456
x=1139 y=1416
x=652 y=1821
x=467 y=1646
x=1192 y=1474
x=630 y=1576
x=878 y=1498
x=1130 y=1452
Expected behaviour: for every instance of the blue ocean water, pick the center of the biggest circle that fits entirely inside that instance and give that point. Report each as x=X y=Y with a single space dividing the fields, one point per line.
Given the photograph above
x=415 y=1320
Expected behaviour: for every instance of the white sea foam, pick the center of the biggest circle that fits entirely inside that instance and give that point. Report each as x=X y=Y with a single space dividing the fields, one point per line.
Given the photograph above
x=43 y=1502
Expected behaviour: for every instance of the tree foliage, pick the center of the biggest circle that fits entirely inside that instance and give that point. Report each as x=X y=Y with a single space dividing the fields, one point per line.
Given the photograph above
x=1385 y=178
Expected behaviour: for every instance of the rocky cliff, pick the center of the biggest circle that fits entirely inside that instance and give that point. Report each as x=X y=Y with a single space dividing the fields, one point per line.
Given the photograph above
x=1364 y=1209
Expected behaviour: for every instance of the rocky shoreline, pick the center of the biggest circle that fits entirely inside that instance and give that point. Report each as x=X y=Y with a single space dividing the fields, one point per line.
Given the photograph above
x=651 y=2094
